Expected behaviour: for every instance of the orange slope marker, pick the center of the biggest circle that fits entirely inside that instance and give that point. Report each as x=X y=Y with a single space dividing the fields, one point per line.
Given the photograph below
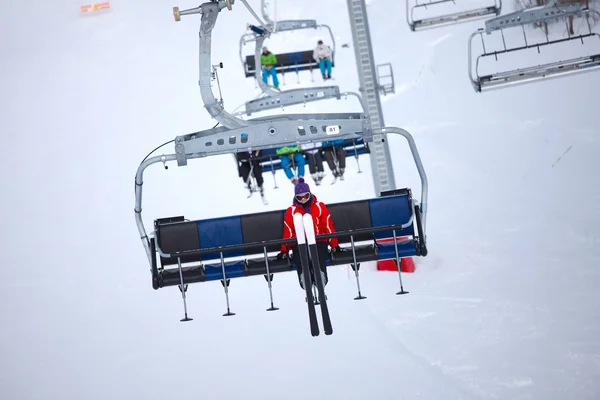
x=95 y=7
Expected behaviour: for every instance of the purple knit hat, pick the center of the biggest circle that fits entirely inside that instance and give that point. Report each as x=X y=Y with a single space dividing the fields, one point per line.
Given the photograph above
x=301 y=187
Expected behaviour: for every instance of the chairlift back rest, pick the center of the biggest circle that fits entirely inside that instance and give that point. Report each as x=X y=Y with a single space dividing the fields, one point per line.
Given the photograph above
x=179 y=238
x=287 y=62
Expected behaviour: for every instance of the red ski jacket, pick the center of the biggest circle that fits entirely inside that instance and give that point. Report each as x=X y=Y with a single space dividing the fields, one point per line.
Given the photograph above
x=321 y=220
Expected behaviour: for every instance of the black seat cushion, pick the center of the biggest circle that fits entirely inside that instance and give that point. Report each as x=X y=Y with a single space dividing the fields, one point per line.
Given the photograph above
x=363 y=254
x=259 y=267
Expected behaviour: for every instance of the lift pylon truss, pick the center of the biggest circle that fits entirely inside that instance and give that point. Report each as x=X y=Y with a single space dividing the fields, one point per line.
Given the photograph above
x=416 y=22
x=587 y=42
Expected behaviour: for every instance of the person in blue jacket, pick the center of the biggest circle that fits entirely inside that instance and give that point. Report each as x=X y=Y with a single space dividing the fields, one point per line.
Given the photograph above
x=287 y=154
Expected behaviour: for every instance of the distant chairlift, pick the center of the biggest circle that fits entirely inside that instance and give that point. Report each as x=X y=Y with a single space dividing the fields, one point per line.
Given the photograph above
x=547 y=70
x=423 y=6
x=385 y=79
x=286 y=62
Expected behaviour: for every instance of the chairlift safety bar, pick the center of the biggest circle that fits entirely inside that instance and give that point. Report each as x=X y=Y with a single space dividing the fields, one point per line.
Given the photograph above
x=448 y=19
x=546 y=71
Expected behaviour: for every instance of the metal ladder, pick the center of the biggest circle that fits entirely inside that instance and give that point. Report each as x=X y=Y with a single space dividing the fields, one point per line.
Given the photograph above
x=381 y=165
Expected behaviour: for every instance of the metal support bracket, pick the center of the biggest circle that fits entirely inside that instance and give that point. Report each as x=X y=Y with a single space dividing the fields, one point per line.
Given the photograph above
x=533 y=15
x=271 y=132
x=292 y=25
x=210 y=12
x=292 y=97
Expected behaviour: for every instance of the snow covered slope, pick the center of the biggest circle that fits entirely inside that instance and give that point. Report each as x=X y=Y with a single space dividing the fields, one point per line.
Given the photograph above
x=504 y=307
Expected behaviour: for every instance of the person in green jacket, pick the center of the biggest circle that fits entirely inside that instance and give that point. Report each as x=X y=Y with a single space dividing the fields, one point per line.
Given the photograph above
x=286 y=154
x=268 y=61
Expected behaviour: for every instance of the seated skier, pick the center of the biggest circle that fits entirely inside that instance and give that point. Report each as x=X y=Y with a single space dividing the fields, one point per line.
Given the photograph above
x=247 y=163
x=306 y=202
x=268 y=62
x=286 y=155
x=333 y=150
x=323 y=55
x=315 y=161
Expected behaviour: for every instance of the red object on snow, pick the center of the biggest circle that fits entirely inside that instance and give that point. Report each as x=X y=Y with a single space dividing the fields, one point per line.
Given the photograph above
x=407 y=264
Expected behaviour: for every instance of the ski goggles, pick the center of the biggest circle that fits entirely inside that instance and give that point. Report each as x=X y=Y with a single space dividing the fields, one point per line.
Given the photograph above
x=303 y=196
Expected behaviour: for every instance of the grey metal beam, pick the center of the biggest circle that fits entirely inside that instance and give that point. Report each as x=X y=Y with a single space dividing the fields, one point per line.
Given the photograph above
x=271 y=132
x=533 y=15
x=292 y=97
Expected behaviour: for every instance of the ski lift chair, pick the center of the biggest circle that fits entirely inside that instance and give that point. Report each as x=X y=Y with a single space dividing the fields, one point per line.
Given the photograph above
x=286 y=62
x=417 y=24
x=587 y=42
x=385 y=79
x=238 y=246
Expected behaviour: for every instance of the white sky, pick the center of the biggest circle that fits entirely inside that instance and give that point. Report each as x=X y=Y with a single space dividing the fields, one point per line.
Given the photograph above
x=504 y=307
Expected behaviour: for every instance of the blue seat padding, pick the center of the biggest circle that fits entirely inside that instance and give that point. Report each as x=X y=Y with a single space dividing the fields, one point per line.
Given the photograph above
x=389 y=211
x=233 y=269
x=405 y=249
x=225 y=231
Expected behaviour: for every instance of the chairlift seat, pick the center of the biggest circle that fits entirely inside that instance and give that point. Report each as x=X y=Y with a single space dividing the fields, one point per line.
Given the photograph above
x=437 y=21
x=263 y=227
x=544 y=70
x=177 y=236
x=286 y=62
x=250 y=233
x=170 y=277
x=348 y=216
x=233 y=269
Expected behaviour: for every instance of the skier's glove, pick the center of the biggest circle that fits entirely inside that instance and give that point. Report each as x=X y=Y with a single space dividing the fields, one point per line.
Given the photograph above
x=336 y=249
x=282 y=255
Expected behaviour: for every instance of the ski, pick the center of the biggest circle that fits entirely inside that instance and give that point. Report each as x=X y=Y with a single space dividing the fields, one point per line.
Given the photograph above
x=303 y=250
x=314 y=256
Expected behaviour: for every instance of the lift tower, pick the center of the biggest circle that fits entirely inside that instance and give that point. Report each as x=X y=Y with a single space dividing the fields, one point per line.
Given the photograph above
x=381 y=164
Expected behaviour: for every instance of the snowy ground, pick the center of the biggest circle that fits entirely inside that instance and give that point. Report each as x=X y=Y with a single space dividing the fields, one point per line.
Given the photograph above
x=505 y=306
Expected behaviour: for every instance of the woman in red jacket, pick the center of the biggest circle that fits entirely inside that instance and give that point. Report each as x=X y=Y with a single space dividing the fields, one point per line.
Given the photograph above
x=306 y=202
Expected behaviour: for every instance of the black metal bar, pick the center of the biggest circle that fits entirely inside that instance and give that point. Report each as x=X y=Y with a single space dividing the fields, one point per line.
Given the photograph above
x=272 y=308
x=263 y=243
x=537 y=45
x=269 y=158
